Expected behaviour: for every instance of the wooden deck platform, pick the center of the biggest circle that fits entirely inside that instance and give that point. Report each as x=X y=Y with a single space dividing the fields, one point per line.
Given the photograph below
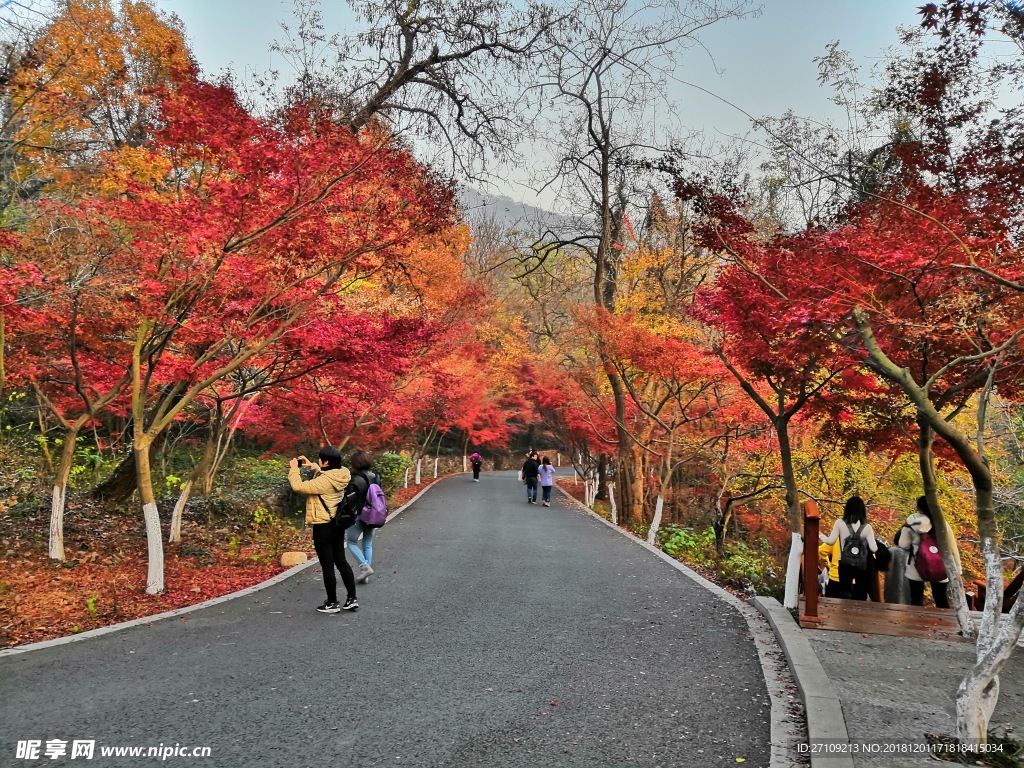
x=882 y=619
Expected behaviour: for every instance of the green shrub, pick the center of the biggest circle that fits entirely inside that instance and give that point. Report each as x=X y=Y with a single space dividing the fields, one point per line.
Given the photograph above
x=391 y=468
x=252 y=477
x=752 y=570
x=686 y=545
x=270 y=529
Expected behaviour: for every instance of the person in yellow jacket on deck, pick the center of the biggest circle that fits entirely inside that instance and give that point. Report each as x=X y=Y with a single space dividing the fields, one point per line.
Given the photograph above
x=831 y=554
x=323 y=494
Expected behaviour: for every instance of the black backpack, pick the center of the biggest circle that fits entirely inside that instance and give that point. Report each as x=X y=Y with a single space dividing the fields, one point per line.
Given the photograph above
x=348 y=507
x=855 y=550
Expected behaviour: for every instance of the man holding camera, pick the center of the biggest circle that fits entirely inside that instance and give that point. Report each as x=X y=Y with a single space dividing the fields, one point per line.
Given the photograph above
x=323 y=494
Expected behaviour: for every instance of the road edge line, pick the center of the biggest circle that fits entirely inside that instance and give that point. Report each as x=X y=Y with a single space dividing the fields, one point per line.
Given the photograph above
x=99 y=631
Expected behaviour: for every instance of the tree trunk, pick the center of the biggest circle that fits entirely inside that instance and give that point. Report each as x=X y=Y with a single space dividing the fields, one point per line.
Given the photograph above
x=155 y=572
x=602 y=477
x=121 y=484
x=42 y=442
x=943 y=531
x=721 y=523
x=796 y=547
x=652 y=532
x=60 y=490
x=630 y=465
x=174 y=536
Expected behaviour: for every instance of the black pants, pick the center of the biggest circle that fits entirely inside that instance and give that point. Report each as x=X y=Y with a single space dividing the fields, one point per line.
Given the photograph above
x=476 y=471
x=832 y=589
x=329 y=542
x=938 y=593
x=853 y=582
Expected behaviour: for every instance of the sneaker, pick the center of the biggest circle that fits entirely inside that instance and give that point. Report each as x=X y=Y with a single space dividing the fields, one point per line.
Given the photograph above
x=547 y=503
x=351 y=604
x=329 y=607
x=364 y=574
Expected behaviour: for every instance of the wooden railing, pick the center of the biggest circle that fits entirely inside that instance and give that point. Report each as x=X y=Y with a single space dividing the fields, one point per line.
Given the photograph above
x=812 y=521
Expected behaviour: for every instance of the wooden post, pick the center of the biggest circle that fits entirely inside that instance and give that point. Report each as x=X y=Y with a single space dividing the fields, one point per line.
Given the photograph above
x=811 y=523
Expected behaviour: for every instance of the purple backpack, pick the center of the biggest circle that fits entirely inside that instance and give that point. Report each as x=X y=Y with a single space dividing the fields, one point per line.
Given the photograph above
x=375 y=513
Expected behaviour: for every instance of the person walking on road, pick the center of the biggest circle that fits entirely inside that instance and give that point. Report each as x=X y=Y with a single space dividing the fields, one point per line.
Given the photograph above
x=530 y=469
x=924 y=563
x=362 y=478
x=476 y=460
x=323 y=494
x=546 y=472
x=856 y=540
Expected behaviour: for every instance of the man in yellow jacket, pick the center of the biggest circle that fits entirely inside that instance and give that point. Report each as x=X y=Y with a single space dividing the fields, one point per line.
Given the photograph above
x=323 y=494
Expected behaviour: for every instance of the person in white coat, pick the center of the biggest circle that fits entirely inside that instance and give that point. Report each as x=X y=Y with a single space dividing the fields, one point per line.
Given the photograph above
x=856 y=539
x=918 y=531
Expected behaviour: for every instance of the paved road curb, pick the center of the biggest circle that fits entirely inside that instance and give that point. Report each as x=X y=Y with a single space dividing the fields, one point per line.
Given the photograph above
x=825 y=721
x=780 y=731
x=17 y=649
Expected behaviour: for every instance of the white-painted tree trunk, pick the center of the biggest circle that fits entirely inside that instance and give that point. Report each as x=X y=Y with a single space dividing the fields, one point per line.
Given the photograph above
x=419 y=467
x=792 y=596
x=611 y=500
x=406 y=477
x=179 y=510
x=57 y=522
x=558 y=456
x=155 y=574
x=652 y=532
x=575 y=476
x=58 y=503
x=464 y=465
x=978 y=692
x=435 y=468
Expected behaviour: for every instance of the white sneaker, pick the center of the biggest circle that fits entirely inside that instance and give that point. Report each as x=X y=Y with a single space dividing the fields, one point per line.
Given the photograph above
x=364 y=574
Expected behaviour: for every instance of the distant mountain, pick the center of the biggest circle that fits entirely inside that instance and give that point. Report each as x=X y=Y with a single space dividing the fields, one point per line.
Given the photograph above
x=506 y=211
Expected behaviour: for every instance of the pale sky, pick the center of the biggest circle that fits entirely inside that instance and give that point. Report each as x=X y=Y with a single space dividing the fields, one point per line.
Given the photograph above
x=766 y=61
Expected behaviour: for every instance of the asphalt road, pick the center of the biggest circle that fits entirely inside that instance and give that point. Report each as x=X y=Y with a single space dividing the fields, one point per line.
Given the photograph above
x=494 y=633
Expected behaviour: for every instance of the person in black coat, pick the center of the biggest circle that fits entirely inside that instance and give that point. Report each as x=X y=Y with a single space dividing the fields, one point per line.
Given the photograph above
x=530 y=470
